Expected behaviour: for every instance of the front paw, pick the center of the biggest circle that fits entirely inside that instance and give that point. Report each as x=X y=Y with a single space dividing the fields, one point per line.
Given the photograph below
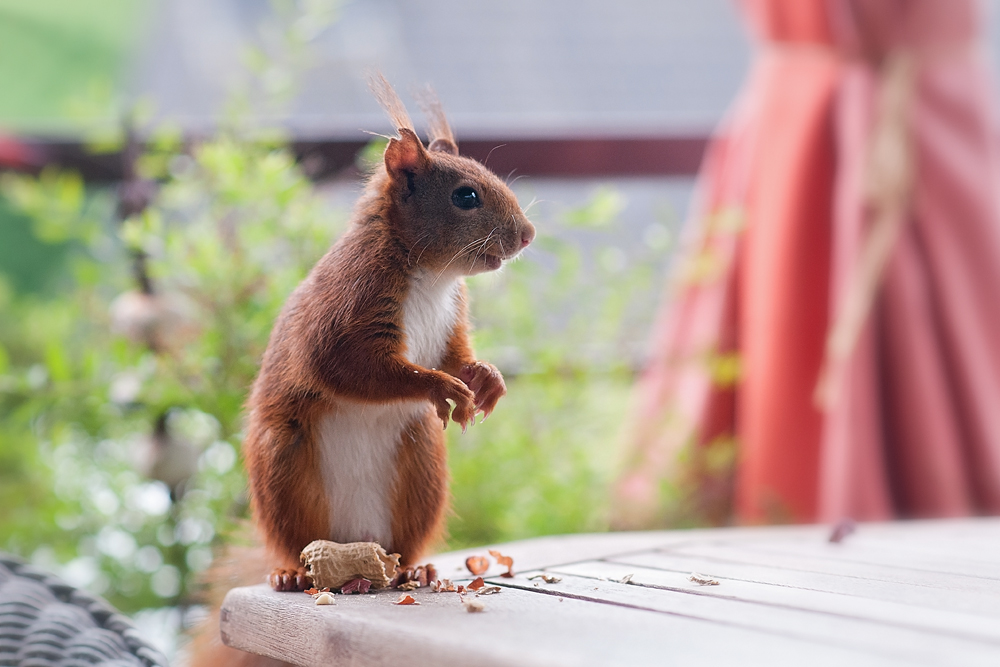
x=465 y=408
x=486 y=383
x=287 y=579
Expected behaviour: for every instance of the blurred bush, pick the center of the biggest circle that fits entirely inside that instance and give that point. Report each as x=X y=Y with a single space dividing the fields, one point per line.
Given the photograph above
x=112 y=396
x=127 y=347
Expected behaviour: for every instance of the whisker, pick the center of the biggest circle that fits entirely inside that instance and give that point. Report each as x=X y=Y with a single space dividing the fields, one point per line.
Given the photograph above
x=486 y=161
x=482 y=248
x=426 y=246
x=535 y=200
x=410 y=253
x=480 y=241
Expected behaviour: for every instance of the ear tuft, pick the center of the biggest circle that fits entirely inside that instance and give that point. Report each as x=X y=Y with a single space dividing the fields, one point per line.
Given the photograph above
x=438 y=127
x=389 y=101
x=443 y=146
x=405 y=155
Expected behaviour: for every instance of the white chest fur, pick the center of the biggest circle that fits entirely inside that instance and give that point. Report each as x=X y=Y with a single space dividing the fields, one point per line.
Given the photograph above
x=358 y=441
x=429 y=317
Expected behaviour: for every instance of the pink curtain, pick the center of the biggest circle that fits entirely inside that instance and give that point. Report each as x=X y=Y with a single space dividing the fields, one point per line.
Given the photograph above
x=793 y=197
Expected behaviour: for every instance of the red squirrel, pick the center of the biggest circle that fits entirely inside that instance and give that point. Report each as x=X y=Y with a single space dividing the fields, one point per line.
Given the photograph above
x=344 y=439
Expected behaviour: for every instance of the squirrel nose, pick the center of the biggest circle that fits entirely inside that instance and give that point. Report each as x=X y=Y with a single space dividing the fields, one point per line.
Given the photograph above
x=527 y=234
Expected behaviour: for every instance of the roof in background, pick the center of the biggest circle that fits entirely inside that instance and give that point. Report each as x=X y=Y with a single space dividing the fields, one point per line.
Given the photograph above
x=511 y=68
x=569 y=88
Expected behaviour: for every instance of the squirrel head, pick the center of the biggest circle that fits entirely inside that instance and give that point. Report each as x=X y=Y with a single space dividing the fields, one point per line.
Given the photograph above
x=451 y=212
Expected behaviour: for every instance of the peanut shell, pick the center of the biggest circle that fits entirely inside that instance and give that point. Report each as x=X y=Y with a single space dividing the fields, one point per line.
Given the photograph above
x=332 y=565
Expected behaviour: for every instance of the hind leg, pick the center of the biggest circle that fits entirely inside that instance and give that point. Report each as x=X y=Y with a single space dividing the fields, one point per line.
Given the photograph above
x=289 y=502
x=420 y=495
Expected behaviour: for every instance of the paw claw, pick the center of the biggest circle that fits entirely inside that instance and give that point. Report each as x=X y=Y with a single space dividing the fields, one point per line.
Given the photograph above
x=285 y=580
x=487 y=385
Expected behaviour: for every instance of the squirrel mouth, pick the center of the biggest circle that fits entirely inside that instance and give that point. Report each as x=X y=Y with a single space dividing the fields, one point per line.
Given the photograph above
x=492 y=262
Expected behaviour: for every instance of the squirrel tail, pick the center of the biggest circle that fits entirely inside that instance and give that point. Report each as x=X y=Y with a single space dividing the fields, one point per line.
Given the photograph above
x=237 y=566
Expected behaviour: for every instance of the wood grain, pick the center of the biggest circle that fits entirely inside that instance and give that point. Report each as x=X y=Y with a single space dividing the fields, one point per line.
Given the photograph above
x=917 y=593
x=927 y=618
x=518 y=628
x=743 y=566
x=825 y=630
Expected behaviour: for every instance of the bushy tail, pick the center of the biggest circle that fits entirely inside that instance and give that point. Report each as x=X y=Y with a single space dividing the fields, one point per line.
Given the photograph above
x=238 y=566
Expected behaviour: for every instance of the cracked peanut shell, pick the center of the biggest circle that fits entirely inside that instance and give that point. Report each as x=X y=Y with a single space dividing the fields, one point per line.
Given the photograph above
x=332 y=565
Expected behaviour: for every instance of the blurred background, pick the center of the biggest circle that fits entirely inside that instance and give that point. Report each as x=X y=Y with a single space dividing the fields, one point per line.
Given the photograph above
x=173 y=168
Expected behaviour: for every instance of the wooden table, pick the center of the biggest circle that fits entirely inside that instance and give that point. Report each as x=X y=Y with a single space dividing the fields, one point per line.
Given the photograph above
x=918 y=593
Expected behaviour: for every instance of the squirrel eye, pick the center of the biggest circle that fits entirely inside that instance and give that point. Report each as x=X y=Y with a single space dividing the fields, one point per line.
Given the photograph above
x=466 y=198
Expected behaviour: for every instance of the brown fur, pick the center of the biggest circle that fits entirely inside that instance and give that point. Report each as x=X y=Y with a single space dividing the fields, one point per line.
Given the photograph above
x=421 y=489
x=340 y=341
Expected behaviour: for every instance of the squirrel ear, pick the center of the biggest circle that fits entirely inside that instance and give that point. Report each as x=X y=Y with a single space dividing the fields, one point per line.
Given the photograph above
x=443 y=146
x=405 y=155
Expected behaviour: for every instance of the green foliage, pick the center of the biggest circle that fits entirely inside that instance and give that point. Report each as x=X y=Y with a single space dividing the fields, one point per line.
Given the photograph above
x=235 y=228
x=53 y=52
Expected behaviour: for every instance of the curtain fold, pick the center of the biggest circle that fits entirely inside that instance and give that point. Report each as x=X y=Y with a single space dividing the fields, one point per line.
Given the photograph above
x=727 y=425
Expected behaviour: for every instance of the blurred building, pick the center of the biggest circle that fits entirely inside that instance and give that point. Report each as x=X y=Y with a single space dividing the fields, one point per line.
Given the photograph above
x=573 y=95
x=517 y=69
x=568 y=97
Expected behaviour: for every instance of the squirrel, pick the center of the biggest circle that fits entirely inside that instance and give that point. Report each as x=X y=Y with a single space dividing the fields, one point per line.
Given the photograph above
x=344 y=439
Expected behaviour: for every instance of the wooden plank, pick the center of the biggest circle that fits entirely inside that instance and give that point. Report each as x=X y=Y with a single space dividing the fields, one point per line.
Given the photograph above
x=980 y=532
x=905 y=593
x=972 y=589
x=787 y=597
x=544 y=551
x=551 y=550
x=518 y=628
x=927 y=618
x=950 y=558
x=826 y=630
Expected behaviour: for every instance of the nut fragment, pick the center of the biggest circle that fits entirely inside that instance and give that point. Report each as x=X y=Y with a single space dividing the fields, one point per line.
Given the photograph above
x=489 y=590
x=547 y=578
x=443 y=586
x=476 y=584
x=332 y=565
x=315 y=592
x=324 y=598
x=702 y=580
x=477 y=564
x=506 y=561
x=406 y=598
x=409 y=586
x=359 y=585
x=473 y=605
